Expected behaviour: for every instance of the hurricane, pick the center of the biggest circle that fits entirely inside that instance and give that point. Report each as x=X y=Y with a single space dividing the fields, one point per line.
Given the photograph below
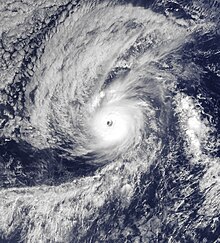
x=109 y=121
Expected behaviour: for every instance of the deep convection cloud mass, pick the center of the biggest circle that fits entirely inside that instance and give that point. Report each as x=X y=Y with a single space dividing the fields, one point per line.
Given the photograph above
x=109 y=121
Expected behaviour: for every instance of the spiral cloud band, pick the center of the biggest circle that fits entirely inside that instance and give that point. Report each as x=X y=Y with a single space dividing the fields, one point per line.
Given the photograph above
x=109 y=124
x=101 y=67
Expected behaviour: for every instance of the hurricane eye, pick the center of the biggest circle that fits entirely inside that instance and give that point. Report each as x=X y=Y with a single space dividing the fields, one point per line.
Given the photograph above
x=109 y=123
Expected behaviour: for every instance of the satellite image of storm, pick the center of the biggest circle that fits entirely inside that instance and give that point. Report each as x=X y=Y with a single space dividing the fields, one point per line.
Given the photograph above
x=109 y=121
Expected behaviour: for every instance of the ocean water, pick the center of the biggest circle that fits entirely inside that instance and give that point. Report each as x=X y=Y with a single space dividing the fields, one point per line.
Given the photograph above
x=109 y=121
